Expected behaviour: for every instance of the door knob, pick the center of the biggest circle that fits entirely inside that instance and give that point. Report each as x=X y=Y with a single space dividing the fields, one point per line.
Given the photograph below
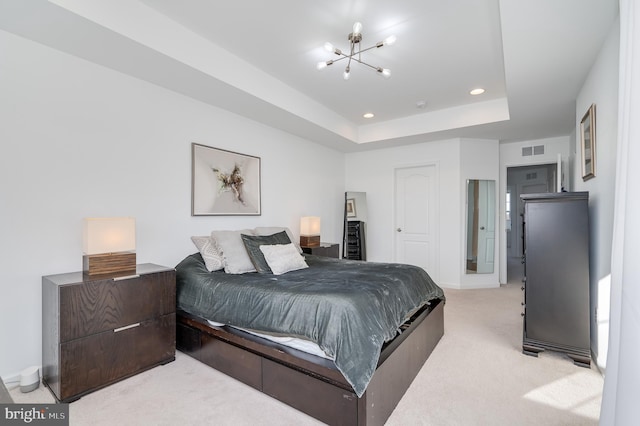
x=482 y=228
x=399 y=229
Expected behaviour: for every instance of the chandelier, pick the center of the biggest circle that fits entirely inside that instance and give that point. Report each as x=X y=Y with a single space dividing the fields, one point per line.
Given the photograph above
x=355 y=51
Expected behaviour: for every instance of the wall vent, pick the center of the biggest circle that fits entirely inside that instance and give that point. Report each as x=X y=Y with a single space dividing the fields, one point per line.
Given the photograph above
x=532 y=150
x=532 y=176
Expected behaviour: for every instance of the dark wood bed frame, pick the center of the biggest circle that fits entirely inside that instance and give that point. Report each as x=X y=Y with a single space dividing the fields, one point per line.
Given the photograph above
x=313 y=384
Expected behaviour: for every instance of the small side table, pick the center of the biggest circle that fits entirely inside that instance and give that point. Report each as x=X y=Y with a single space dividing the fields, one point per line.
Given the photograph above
x=324 y=249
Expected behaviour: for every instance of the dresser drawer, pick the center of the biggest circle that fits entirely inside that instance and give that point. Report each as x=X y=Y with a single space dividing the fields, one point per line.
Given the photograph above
x=101 y=359
x=102 y=305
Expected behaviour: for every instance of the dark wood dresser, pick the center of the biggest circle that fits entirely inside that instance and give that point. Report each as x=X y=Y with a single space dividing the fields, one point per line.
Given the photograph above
x=556 y=284
x=99 y=330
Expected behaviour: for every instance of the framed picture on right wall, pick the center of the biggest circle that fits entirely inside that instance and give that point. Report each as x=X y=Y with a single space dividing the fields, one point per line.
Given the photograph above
x=588 y=143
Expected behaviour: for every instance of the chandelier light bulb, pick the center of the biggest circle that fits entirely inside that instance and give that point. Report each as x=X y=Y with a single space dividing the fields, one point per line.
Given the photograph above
x=322 y=65
x=346 y=74
x=329 y=47
x=386 y=72
x=357 y=28
x=389 y=41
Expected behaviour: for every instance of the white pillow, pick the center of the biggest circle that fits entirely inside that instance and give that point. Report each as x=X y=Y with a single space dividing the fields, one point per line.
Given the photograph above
x=283 y=258
x=210 y=254
x=270 y=230
x=236 y=260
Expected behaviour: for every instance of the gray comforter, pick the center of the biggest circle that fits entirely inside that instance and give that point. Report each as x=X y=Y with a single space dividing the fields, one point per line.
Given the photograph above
x=349 y=308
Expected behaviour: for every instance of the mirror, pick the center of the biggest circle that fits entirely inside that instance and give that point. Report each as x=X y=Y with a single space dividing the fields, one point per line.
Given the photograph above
x=355 y=219
x=481 y=221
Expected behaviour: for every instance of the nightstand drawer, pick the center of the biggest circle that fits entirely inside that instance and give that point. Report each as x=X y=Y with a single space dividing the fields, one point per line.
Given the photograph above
x=104 y=358
x=324 y=249
x=97 y=306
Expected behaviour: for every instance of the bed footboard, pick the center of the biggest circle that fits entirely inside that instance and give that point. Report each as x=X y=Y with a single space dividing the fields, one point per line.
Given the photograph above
x=309 y=383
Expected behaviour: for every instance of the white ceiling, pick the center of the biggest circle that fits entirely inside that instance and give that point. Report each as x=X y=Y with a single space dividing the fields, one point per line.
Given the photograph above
x=257 y=58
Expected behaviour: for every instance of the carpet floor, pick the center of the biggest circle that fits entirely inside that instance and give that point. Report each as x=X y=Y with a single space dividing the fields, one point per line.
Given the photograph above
x=477 y=375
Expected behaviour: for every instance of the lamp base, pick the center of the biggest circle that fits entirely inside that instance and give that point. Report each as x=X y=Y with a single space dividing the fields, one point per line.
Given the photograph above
x=109 y=263
x=310 y=241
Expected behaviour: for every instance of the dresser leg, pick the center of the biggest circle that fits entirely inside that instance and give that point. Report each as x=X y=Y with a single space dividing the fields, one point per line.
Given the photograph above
x=580 y=361
x=531 y=350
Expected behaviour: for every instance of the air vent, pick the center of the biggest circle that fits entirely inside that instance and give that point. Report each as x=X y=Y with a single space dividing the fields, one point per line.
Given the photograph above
x=532 y=176
x=532 y=150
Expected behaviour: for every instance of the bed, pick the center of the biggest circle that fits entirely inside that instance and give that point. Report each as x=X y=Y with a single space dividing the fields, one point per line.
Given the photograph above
x=376 y=323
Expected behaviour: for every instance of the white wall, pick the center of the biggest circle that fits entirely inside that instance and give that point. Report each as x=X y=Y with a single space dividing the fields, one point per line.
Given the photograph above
x=373 y=172
x=81 y=140
x=601 y=88
x=479 y=159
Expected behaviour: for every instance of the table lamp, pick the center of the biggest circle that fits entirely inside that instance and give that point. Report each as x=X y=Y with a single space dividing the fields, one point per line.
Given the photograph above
x=310 y=231
x=108 y=245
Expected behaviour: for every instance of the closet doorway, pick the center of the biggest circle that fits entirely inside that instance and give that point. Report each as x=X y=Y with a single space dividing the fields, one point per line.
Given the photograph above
x=523 y=180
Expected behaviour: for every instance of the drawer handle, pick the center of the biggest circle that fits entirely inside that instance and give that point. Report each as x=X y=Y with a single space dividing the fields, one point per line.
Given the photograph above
x=126 y=277
x=126 y=327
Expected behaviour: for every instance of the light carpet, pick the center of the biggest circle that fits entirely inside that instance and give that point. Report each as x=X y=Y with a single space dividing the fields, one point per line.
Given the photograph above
x=477 y=375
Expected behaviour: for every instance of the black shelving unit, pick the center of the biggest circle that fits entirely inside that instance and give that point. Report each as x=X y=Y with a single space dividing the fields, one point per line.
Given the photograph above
x=356 y=249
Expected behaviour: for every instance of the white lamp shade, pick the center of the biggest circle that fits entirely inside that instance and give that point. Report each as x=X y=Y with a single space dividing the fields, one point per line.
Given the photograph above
x=310 y=226
x=108 y=235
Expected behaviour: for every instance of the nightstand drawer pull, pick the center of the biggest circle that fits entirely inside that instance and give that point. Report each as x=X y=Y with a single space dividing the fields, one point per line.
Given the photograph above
x=126 y=327
x=126 y=277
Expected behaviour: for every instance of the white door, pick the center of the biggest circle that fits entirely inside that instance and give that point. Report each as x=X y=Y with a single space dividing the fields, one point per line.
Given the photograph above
x=486 y=226
x=416 y=218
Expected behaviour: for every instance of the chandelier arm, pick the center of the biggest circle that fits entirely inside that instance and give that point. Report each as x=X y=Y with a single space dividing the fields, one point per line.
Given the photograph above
x=364 y=63
x=341 y=58
x=353 y=48
x=368 y=48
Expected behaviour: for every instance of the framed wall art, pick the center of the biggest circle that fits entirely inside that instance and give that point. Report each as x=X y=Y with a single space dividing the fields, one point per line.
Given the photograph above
x=588 y=143
x=351 y=207
x=224 y=182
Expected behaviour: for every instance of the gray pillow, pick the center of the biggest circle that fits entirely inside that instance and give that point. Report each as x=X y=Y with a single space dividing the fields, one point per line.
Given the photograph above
x=253 y=243
x=270 y=230
x=236 y=258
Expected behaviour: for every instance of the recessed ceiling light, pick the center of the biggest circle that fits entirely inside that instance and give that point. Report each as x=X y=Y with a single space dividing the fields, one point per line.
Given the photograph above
x=477 y=91
x=421 y=104
x=368 y=115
